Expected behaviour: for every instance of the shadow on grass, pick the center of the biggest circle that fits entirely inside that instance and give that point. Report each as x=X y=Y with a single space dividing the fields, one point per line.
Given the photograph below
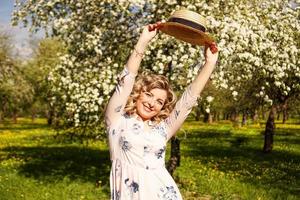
x=287 y=131
x=52 y=164
x=243 y=156
x=19 y=127
x=211 y=133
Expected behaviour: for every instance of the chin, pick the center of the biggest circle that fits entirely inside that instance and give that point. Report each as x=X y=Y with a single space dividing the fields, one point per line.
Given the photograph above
x=145 y=116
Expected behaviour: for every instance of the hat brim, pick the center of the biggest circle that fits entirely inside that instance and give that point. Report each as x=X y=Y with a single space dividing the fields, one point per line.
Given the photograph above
x=186 y=33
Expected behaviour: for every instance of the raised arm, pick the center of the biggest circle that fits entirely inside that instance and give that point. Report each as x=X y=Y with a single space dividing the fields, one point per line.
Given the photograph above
x=117 y=103
x=203 y=75
x=135 y=58
x=189 y=98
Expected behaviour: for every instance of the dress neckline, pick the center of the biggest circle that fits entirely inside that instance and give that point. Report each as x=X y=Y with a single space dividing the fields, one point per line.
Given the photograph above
x=149 y=122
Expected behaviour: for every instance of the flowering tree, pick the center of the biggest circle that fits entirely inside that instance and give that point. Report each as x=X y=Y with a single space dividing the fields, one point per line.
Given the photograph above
x=99 y=37
x=15 y=92
x=257 y=42
x=6 y=71
x=45 y=58
x=265 y=52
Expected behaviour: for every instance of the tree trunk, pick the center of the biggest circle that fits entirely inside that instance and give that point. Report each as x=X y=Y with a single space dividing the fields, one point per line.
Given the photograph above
x=269 y=131
x=15 y=117
x=33 y=114
x=244 y=120
x=1 y=116
x=219 y=116
x=216 y=116
x=278 y=109
x=174 y=160
x=235 y=119
x=198 y=113
x=226 y=116
x=210 y=118
x=50 y=116
x=207 y=118
x=263 y=113
x=254 y=117
x=284 y=111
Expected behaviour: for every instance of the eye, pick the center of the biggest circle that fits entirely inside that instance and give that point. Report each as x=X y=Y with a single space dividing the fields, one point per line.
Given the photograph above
x=160 y=103
x=148 y=94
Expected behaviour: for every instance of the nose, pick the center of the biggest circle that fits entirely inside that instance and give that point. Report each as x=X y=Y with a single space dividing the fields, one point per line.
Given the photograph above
x=151 y=103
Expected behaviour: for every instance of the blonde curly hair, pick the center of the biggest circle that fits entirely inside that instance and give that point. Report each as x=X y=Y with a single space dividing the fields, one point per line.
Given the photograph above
x=145 y=83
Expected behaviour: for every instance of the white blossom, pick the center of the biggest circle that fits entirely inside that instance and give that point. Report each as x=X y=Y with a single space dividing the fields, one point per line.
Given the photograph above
x=209 y=99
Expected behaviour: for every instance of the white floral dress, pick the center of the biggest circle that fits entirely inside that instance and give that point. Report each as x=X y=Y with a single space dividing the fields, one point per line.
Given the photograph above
x=138 y=154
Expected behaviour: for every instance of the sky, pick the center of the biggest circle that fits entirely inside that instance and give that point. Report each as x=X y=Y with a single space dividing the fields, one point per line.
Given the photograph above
x=20 y=36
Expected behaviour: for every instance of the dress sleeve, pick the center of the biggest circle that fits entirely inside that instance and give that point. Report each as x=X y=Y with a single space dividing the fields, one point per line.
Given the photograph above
x=117 y=102
x=182 y=108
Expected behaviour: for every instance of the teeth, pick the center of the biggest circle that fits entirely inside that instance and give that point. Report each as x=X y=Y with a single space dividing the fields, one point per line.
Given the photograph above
x=147 y=109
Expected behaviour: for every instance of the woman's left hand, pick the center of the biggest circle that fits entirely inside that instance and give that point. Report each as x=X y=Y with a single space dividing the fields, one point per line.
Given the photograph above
x=211 y=54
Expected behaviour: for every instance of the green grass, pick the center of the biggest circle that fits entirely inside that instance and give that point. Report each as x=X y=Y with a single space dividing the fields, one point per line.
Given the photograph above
x=35 y=165
x=221 y=162
x=217 y=162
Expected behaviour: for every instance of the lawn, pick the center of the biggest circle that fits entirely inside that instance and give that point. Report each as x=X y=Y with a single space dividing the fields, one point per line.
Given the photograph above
x=218 y=161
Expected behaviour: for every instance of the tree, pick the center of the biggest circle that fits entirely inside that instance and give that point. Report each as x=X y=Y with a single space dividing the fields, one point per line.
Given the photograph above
x=100 y=34
x=265 y=55
x=15 y=92
x=99 y=37
x=45 y=58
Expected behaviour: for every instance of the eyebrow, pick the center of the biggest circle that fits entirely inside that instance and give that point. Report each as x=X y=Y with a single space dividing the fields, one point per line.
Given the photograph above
x=158 y=98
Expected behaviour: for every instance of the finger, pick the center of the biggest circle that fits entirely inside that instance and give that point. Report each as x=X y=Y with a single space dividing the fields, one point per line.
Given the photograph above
x=213 y=48
x=158 y=25
x=151 y=27
x=155 y=27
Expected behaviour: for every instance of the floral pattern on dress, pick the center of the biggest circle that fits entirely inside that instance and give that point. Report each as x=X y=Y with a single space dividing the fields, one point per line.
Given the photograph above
x=113 y=132
x=118 y=109
x=133 y=187
x=121 y=77
x=137 y=128
x=159 y=153
x=147 y=149
x=118 y=169
x=168 y=193
x=126 y=116
x=177 y=112
x=160 y=130
x=125 y=145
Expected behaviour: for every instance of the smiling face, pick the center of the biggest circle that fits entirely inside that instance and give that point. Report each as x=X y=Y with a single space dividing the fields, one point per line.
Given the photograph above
x=152 y=98
x=150 y=103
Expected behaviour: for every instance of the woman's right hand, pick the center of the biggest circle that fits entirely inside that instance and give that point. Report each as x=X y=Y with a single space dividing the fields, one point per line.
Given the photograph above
x=149 y=32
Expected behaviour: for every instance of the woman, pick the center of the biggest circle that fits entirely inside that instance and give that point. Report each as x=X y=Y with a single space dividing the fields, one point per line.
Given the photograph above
x=140 y=124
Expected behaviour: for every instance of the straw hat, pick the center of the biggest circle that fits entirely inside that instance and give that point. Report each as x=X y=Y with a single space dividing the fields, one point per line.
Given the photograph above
x=187 y=26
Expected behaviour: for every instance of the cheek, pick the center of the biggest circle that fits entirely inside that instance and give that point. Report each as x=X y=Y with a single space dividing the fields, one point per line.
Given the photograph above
x=138 y=104
x=158 y=108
